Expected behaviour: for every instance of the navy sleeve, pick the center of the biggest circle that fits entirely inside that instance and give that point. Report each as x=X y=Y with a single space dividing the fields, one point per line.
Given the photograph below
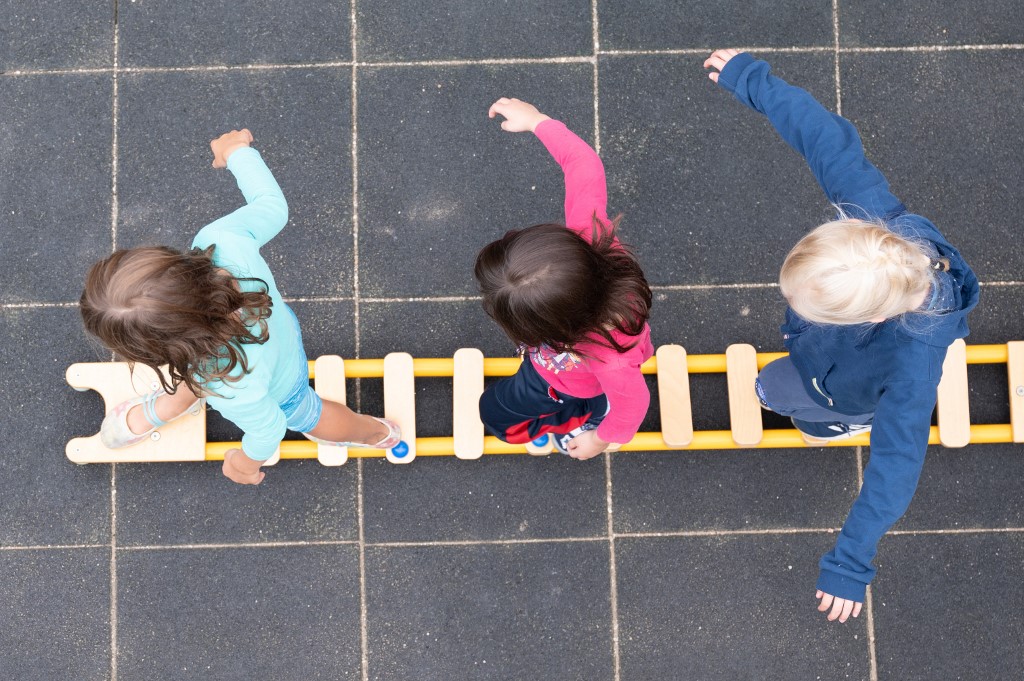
x=899 y=440
x=828 y=142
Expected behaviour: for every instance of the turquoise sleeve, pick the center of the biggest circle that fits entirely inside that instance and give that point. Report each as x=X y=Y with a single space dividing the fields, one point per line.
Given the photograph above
x=266 y=211
x=248 y=406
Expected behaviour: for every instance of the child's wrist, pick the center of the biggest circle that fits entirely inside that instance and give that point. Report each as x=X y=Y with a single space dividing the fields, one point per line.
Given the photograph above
x=537 y=121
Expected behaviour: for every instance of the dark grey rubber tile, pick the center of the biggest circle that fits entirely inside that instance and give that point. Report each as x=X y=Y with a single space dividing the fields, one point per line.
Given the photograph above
x=239 y=614
x=55 y=614
x=46 y=499
x=394 y=30
x=233 y=32
x=739 y=607
x=169 y=504
x=978 y=486
x=508 y=496
x=55 y=179
x=950 y=607
x=665 y=24
x=710 y=192
x=707 y=321
x=438 y=180
x=300 y=118
x=733 y=490
x=905 y=22
x=521 y=611
x=942 y=127
x=56 y=34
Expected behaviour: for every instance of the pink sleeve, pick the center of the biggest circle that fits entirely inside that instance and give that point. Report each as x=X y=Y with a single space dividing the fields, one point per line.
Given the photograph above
x=586 y=193
x=628 y=399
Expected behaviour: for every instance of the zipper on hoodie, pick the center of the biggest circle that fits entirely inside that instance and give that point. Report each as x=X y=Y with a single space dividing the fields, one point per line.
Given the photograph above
x=814 y=382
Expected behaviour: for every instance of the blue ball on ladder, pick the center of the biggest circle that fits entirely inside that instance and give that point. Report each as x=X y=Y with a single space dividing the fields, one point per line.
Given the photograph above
x=400 y=450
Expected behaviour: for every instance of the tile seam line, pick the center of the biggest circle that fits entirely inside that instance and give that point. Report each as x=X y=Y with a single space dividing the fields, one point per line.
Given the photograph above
x=835 y=43
x=468 y=299
x=869 y=619
x=498 y=61
x=238 y=545
x=488 y=542
x=113 y=584
x=364 y=645
x=613 y=573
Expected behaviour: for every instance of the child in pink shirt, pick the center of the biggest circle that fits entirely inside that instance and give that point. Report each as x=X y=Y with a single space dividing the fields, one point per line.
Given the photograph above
x=576 y=302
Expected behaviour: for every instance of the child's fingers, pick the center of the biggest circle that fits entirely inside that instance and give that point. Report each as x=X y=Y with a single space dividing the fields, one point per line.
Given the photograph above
x=713 y=76
x=856 y=609
x=826 y=602
x=248 y=135
x=496 y=107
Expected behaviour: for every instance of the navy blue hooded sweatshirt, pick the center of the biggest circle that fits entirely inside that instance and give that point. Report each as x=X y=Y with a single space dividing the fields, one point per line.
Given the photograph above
x=892 y=368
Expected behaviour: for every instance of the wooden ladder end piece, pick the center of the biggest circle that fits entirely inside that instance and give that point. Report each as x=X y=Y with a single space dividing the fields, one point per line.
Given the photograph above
x=467 y=387
x=329 y=383
x=953 y=399
x=400 y=404
x=180 y=440
x=674 y=396
x=744 y=407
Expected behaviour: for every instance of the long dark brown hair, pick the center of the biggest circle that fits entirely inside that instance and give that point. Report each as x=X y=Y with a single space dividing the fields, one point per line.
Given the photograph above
x=154 y=305
x=547 y=285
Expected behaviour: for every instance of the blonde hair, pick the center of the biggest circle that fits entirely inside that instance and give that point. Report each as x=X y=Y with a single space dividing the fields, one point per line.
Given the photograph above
x=851 y=271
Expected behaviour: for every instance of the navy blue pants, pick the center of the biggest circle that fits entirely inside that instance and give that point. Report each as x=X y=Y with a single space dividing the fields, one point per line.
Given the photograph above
x=780 y=389
x=523 y=407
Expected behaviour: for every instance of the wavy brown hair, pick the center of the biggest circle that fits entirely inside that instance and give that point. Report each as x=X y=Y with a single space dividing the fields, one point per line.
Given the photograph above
x=547 y=285
x=154 y=305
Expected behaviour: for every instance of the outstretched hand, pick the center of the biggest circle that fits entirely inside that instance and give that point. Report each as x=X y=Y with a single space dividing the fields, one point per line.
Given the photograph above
x=519 y=116
x=842 y=608
x=718 y=60
x=227 y=144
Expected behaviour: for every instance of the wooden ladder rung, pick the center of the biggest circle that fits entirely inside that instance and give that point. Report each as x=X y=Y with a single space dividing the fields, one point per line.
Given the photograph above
x=400 y=401
x=744 y=407
x=329 y=381
x=953 y=403
x=1015 y=376
x=467 y=387
x=674 y=396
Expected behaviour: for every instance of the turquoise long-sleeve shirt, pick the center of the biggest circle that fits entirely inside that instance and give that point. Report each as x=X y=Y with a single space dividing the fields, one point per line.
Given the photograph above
x=252 y=402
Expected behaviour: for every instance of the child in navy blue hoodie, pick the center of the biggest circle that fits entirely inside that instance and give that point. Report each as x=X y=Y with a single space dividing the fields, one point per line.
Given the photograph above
x=875 y=298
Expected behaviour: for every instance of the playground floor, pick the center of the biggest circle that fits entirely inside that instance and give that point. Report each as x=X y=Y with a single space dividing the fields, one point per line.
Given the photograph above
x=635 y=566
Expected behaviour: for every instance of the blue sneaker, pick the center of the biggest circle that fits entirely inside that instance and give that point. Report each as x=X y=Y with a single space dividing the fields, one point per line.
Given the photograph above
x=819 y=432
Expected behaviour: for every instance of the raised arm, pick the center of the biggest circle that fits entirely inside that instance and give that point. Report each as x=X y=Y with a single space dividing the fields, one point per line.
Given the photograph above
x=266 y=211
x=828 y=142
x=586 y=191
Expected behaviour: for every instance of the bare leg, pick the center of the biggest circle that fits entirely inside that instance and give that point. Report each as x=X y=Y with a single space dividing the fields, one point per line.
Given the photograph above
x=338 y=423
x=167 y=407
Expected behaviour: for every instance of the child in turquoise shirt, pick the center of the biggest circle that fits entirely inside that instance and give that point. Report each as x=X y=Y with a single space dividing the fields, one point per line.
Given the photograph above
x=215 y=317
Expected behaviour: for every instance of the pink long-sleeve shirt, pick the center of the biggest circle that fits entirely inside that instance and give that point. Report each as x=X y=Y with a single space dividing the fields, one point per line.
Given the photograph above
x=603 y=370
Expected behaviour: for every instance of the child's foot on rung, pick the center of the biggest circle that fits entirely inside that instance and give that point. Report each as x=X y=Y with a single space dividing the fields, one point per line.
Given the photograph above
x=392 y=437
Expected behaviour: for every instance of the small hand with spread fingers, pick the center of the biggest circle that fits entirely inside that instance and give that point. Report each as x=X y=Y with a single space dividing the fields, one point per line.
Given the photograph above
x=842 y=608
x=227 y=144
x=718 y=60
x=519 y=116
